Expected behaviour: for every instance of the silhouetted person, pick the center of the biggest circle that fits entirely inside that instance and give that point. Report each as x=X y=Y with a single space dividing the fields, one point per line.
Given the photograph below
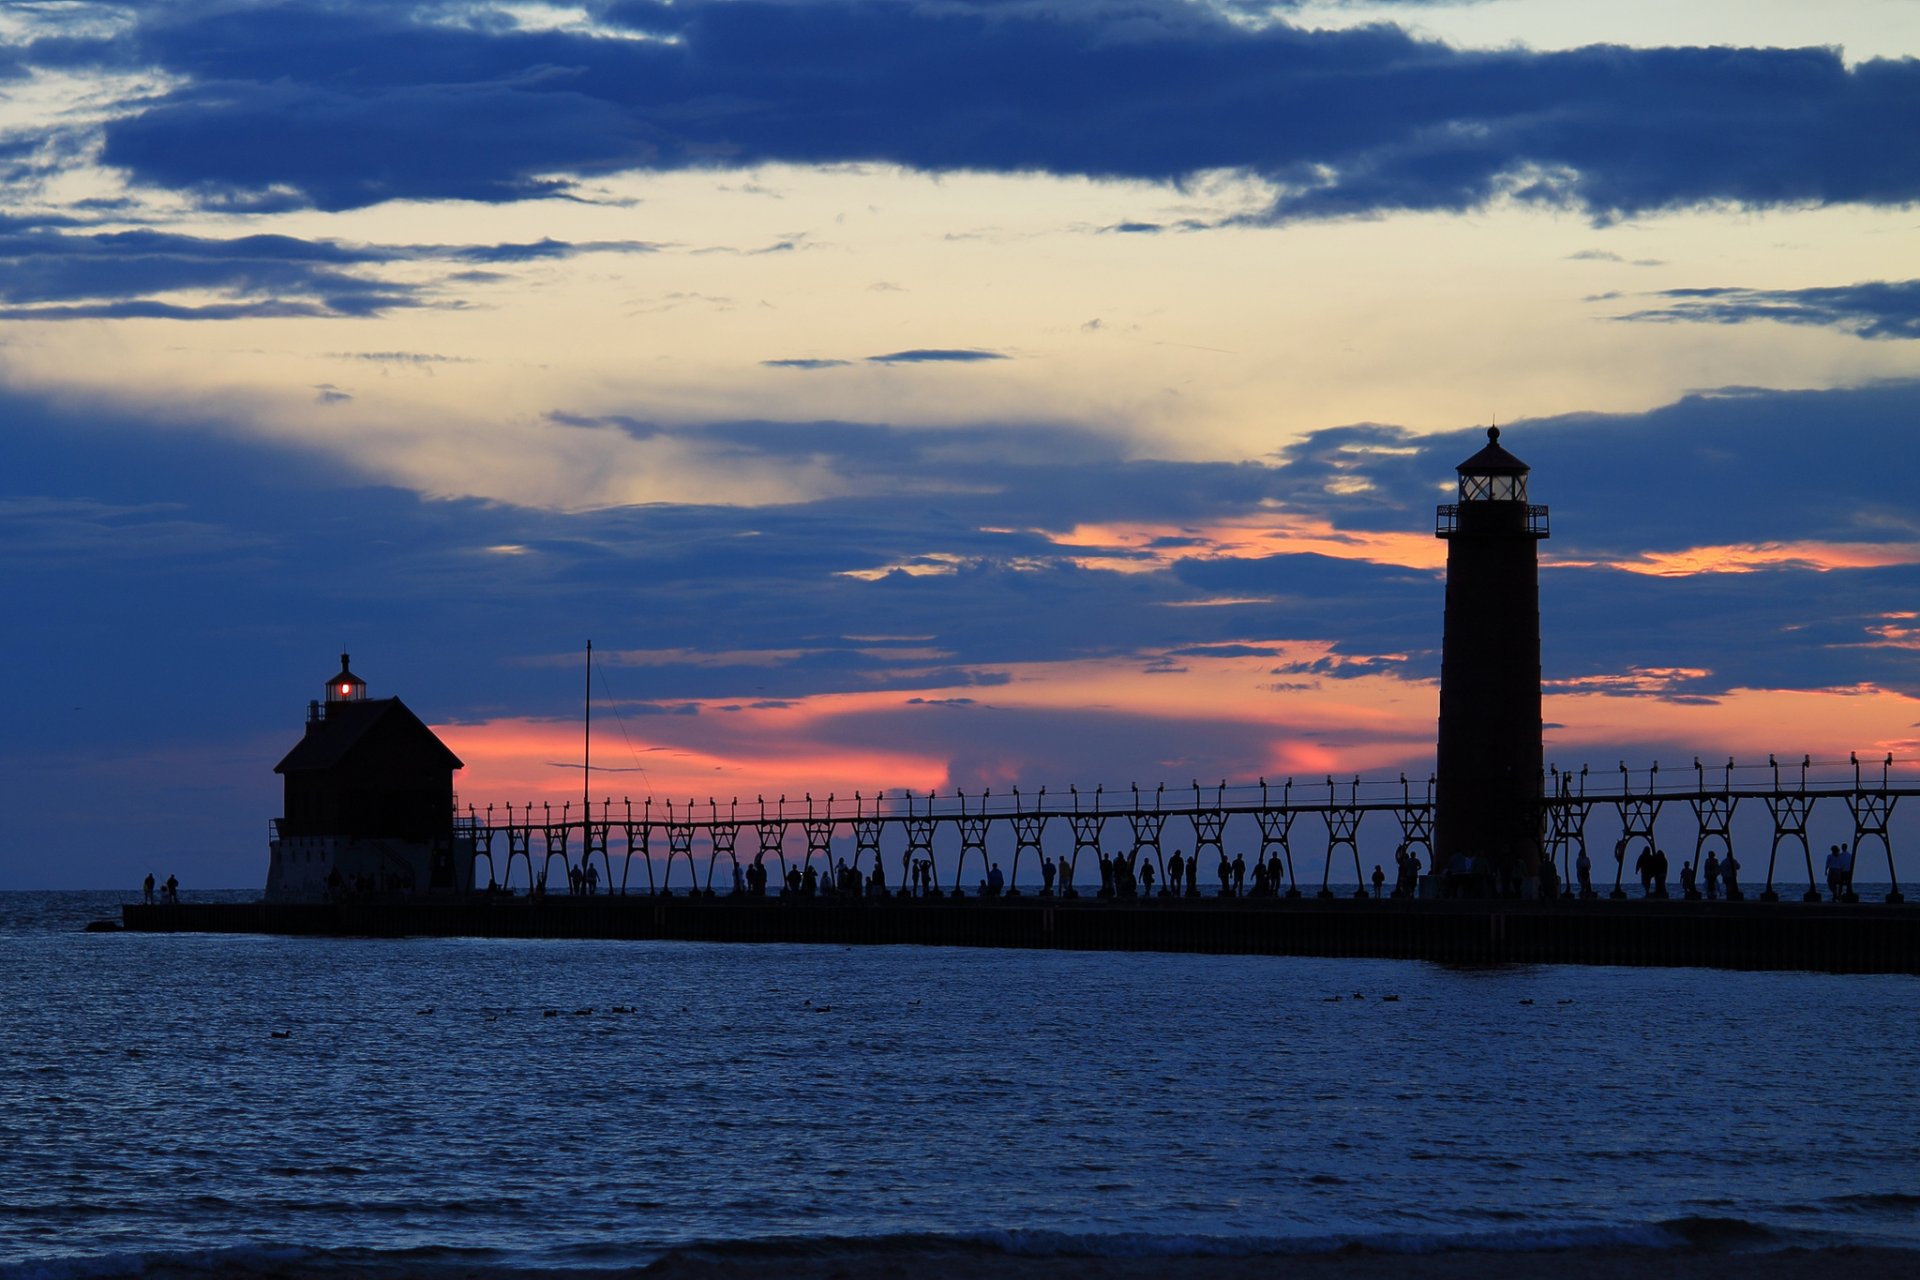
x=1643 y=867
x=878 y=882
x=1046 y=875
x=173 y=889
x=1687 y=881
x=1193 y=875
x=1106 y=876
x=1146 y=880
x=149 y=888
x=1176 y=871
x=1239 y=872
x=1730 y=875
x=1226 y=876
x=1583 y=869
x=1846 y=869
x=995 y=881
x=1658 y=866
x=1379 y=879
x=1710 y=872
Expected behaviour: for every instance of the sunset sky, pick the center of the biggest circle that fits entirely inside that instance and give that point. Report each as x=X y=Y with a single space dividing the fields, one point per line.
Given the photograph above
x=957 y=393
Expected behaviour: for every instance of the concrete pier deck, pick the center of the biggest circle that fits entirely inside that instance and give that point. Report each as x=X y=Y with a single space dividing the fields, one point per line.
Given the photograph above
x=1825 y=937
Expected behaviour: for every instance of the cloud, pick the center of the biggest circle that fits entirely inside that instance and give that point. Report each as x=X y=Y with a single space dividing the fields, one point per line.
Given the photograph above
x=414 y=358
x=1058 y=550
x=1874 y=309
x=804 y=362
x=355 y=102
x=935 y=355
x=50 y=272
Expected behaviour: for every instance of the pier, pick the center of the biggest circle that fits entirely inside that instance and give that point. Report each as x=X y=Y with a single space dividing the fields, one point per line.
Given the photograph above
x=1833 y=938
x=964 y=834
x=669 y=874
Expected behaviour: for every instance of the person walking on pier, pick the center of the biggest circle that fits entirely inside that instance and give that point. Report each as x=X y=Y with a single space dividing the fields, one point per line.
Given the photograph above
x=1833 y=871
x=1239 y=874
x=1846 y=870
x=1730 y=875
x=1046 y=876
x=1711 y=874
x=1658 y=866
x=1583 y=868
x=1226 y=876
x=1176 y=871
x=1146 y=880
x=173 y=889
x=1380 y=878
x=149 y=888
x=1687 y=882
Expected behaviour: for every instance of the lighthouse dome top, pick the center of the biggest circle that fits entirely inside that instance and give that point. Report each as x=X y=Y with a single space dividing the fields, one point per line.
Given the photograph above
x=1493 y=460
x=346 y=686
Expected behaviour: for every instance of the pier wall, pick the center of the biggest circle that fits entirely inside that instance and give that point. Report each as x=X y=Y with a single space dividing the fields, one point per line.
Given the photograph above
x=1826 y=937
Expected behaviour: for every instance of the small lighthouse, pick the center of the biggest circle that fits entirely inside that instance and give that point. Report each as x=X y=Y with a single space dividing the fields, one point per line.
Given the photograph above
x=1488 y=797
x=369 y=804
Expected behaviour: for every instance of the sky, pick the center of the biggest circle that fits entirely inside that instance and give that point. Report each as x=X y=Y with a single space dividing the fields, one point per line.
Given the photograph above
x=946 y=394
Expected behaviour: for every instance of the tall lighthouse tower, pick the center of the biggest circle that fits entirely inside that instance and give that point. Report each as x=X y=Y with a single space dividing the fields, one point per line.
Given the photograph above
x=1488 y=802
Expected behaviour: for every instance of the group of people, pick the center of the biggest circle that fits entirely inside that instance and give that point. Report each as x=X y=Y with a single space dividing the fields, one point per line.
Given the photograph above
x=1840 y=871
x=1712 y=878
x=170 y=891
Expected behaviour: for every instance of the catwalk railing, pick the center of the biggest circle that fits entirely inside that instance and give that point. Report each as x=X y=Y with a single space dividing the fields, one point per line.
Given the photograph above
x=1131 y=826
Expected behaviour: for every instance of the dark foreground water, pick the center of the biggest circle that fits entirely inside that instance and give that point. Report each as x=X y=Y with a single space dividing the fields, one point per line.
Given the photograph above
x=239 y=1104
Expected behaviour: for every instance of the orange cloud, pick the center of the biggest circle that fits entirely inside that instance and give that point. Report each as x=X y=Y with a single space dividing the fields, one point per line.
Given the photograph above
x=1744 y=723
x=1314 y=724
x=1151 y=546
x=1747 y=557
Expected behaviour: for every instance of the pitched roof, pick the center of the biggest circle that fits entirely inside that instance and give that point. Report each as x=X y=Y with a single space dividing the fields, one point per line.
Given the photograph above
x=347 y=725
x=1493 y=460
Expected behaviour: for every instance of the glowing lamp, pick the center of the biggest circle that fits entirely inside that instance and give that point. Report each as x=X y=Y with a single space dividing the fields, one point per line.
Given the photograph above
x=346 y=686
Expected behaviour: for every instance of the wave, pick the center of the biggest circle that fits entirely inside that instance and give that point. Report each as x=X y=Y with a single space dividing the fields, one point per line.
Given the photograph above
x=888 y=1252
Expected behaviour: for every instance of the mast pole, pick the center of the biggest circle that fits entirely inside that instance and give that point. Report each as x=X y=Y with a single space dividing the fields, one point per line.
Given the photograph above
x=586 y=758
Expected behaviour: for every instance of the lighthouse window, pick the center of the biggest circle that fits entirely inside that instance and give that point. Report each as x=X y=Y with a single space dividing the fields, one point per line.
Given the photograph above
x=1493 y=488
x=343 y=690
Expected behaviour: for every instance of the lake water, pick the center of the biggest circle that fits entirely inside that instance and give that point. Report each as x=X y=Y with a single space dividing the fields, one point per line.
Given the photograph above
x=219 y=1102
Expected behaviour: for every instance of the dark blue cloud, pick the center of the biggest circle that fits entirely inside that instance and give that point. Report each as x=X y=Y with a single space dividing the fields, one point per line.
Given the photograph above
x=344 y=104
x=804 y=362
x=51 y=272
x=176 y=577
x=1874 y=309
x=935 y=355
